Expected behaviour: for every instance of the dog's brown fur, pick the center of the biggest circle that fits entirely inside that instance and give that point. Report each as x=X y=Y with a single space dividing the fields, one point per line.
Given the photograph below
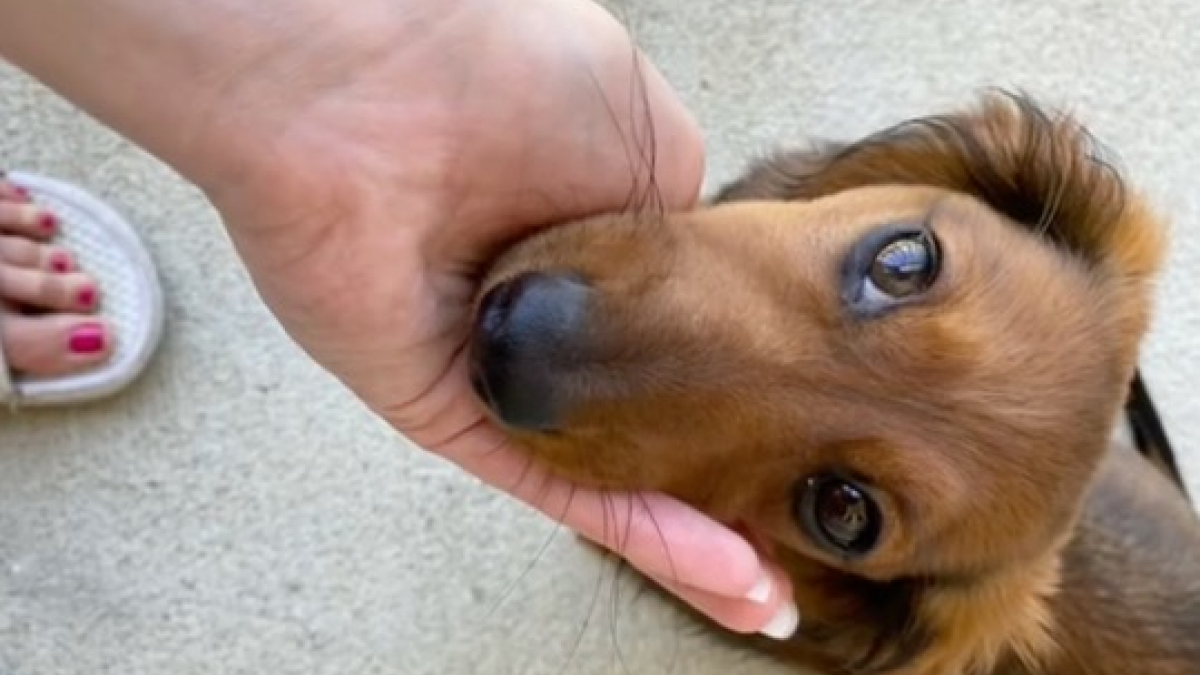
x=719 y=364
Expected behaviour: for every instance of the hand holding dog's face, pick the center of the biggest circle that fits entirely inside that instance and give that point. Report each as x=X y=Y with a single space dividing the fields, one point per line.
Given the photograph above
x=886 y=361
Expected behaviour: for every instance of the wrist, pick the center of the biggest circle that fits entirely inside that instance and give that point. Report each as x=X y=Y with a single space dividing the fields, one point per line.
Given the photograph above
x=195 y=84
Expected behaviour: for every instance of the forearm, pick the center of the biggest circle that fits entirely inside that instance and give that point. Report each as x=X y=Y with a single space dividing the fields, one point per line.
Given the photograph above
x=191 y=82
x=242 y=95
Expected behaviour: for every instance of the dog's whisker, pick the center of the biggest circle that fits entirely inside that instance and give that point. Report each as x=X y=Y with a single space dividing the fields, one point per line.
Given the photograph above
x=649 y=146
x=587 y=620
x=545 y=546
x=614 y=613
x=620 y=546
x=631 y=197
x=674 y=572
x=662 y=538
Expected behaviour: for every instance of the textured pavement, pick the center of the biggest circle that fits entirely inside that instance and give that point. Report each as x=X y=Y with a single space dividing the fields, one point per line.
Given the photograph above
x=237 y=512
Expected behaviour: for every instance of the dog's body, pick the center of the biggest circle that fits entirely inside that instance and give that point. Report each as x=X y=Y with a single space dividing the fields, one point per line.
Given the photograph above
x=1130 y=598
x=899 y=362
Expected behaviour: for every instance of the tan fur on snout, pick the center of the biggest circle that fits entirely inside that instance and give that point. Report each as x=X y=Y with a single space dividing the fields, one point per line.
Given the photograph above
x=724 y=365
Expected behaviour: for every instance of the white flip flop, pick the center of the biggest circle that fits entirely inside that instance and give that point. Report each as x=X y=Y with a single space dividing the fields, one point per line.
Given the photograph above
x=106 y=247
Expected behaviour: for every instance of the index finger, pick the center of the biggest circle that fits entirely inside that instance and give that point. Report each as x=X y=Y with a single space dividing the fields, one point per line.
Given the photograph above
x=657 y=534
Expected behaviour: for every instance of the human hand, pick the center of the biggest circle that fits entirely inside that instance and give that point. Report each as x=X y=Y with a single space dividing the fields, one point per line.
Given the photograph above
x=386 y=194
x=368 y=158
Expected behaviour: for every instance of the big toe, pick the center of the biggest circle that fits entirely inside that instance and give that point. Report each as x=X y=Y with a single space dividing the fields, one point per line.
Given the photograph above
x=54 y=344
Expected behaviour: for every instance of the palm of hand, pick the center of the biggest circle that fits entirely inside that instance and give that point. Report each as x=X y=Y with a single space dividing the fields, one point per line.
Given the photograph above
x=375 y=206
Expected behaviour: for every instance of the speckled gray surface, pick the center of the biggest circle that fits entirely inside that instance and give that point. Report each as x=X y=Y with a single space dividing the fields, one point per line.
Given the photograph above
x=237 y=512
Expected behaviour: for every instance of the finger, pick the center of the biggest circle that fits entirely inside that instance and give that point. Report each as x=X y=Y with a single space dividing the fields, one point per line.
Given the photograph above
x=654 y=533
x=11 y=192
x=706 y=564
x=25 y=219
x=24 y=252
x=775 y=616
x=657 y=534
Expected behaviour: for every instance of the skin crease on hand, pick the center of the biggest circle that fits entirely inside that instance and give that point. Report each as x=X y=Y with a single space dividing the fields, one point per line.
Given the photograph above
x=366 y=159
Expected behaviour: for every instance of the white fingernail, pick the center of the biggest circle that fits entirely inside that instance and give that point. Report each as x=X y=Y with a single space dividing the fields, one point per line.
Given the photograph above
x=784 y=624
x=761 y=591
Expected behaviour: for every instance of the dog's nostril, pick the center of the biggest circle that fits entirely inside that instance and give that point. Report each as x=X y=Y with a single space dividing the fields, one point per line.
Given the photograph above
x=528 y=330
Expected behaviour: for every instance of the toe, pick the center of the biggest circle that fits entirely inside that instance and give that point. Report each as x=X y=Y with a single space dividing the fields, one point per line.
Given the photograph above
x=53 y=345
x=48 y=291
x=11 y=192
x=24 y=252
x=26 y=219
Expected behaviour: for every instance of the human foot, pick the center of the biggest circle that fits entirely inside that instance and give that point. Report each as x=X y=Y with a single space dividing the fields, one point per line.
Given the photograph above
x=48 y=325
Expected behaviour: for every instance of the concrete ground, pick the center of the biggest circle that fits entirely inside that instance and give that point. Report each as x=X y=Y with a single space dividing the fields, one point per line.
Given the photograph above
x=237 y=512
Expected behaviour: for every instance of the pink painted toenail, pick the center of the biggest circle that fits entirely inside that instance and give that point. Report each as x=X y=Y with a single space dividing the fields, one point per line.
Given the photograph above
x=87 y=296
x=23 y=192
x=60 y=262
x=87 y=339
x=48 y=221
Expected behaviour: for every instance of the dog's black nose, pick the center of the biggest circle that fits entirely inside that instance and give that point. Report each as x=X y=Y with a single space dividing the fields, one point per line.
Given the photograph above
x=527 y=333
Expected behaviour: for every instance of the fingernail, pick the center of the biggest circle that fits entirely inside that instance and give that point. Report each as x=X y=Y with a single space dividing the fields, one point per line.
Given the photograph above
x=48 y=221
x=784 y=624
x=87 y=339
x=60 y=262
x=762 y=590
x=87 y=296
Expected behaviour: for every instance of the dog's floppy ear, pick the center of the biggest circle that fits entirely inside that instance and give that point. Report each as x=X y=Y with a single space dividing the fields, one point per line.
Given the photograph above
x=1042 y=170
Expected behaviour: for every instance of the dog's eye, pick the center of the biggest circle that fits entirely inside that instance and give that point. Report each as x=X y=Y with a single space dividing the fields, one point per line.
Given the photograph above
x=905 y=265
x=890 y=266
x=838 y=514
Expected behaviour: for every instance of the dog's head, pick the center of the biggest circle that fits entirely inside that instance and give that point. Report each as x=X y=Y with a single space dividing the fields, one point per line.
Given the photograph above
x=898 y=360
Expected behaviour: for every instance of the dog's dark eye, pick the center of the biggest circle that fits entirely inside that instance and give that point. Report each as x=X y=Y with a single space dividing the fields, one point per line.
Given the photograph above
x=905 y=265
x=890 y=266
x=838 y=514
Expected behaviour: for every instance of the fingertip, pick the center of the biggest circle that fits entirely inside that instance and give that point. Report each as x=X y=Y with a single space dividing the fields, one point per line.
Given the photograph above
x=777 y=617
x=761 y=592
x=664 y=538
x=784 y=623
x=772 y=611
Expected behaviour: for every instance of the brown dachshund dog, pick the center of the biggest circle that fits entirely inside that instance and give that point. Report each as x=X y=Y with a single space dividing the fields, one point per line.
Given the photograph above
x=900 y=362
